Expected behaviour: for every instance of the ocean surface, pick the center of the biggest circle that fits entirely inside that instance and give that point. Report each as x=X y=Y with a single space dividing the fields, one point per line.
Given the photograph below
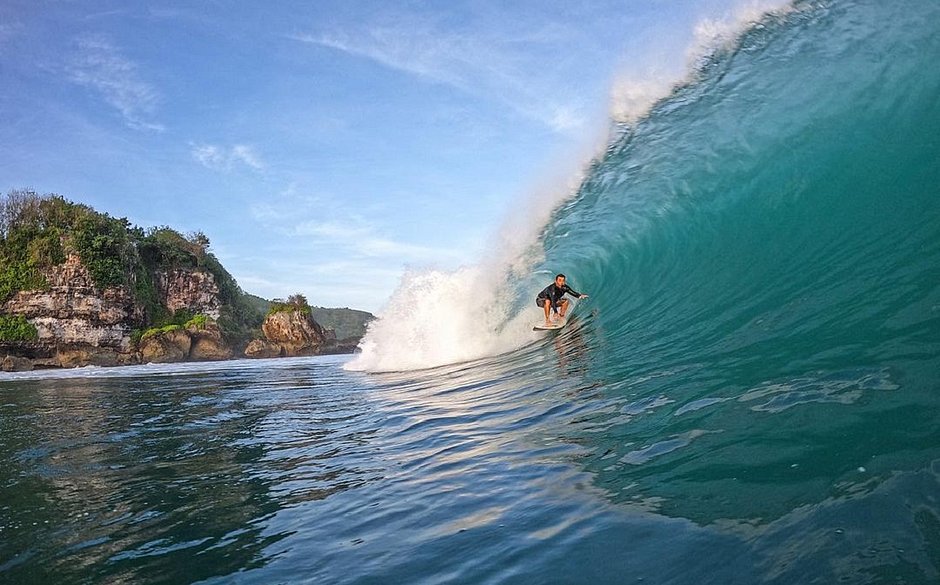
x=751 y=394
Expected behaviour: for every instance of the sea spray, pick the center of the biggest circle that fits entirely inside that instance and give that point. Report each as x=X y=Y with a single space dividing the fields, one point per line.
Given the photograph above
x=637 y=88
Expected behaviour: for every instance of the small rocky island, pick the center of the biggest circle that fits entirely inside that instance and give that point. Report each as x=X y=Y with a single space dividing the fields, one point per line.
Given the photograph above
x=79 y=287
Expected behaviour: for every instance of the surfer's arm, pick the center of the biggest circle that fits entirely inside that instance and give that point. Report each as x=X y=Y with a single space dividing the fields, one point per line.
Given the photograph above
x=573 y=292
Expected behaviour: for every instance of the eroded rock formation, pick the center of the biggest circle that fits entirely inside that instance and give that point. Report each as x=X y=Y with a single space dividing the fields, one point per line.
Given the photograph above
x=192 y=290
x=78 y=325
x=262 y=348
x=290 y=333
x=208 y=345
x=169 y=346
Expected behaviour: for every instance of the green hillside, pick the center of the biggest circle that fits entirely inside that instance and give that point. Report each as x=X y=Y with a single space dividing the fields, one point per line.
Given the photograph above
x=347 y=323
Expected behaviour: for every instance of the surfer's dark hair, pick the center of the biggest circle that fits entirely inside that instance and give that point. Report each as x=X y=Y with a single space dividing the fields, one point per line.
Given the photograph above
x=560 y=275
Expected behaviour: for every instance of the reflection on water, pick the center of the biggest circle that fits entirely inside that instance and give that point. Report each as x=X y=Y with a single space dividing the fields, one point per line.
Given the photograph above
x=167 y=477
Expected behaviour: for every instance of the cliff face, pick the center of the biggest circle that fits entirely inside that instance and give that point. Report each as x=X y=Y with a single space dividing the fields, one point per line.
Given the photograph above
x=78 y=324
x=193 y=290
x=77 y=286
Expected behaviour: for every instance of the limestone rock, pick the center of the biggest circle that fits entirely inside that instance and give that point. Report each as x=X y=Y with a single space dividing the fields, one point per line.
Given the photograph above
x=295 y=332
x=80 y=355
x=261 y=348
x=12 y=363
x=171 y=346
x=193 y=290
x=208 y=345
x=77 y=324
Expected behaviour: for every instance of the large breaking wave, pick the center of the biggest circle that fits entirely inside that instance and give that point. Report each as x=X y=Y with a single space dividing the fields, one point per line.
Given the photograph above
x=780 y=204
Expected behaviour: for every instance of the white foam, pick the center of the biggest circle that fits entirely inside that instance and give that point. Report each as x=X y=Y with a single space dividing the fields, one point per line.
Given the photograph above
x=438 y=318
x=635 y=93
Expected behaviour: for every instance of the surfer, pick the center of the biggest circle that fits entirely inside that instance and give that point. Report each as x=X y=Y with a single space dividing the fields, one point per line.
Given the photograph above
x=552 y=298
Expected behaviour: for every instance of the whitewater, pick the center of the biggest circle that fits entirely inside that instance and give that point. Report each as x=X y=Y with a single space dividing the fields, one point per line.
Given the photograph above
x=749 y=395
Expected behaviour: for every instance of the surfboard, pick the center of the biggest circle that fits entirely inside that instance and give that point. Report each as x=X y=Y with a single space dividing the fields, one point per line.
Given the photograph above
x=541 y=326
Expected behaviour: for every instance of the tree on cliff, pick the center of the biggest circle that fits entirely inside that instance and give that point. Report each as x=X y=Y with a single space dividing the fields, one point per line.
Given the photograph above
x=295 y=302
x=16 y=209
x=298 y=300
x=200 y=241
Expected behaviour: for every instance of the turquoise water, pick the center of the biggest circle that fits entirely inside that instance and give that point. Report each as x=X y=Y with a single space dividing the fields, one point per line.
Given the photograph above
x=750 y=395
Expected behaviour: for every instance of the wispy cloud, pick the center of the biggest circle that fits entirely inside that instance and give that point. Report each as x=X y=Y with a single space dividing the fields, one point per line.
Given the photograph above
x=320 y=223
x=499 y=66
x=363 y=239
x=100 y=66
x=221 y=158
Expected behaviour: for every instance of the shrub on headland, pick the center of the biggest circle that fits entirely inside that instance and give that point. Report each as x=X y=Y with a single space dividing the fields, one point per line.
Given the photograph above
x=296 y=302
x=159 y=330
x=180 y=320
x=197 y=322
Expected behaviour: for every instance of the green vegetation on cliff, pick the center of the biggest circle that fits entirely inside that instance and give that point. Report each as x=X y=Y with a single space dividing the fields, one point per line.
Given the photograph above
x=296 y=302
x=159 y=330
x=30 y=240
x=39 y=231
x=16 y=328
x=180 y=320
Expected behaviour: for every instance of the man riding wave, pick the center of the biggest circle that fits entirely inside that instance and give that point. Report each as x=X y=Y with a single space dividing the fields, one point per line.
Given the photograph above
x=552 y=298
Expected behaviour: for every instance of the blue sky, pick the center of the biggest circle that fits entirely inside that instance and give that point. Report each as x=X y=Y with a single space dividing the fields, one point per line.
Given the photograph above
x=322 y=146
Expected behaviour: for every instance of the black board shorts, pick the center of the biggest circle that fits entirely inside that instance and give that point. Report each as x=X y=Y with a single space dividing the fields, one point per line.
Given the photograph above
x=541 y=301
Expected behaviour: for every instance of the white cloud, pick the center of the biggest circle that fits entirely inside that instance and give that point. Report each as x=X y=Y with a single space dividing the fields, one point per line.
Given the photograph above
x=319 y=223
x=100 y=66
x=246 y=155
x=221 y=158
x=209 y=156
x=363 y=239
x=496 y=65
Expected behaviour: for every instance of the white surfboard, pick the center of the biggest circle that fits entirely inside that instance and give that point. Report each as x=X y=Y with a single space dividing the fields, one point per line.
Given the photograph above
x=541 y=326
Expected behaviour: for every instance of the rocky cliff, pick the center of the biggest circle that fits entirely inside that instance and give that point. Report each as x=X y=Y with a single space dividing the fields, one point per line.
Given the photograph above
x=194 y=291
x=77 y=324
x=288 y=334
x=178 y=344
